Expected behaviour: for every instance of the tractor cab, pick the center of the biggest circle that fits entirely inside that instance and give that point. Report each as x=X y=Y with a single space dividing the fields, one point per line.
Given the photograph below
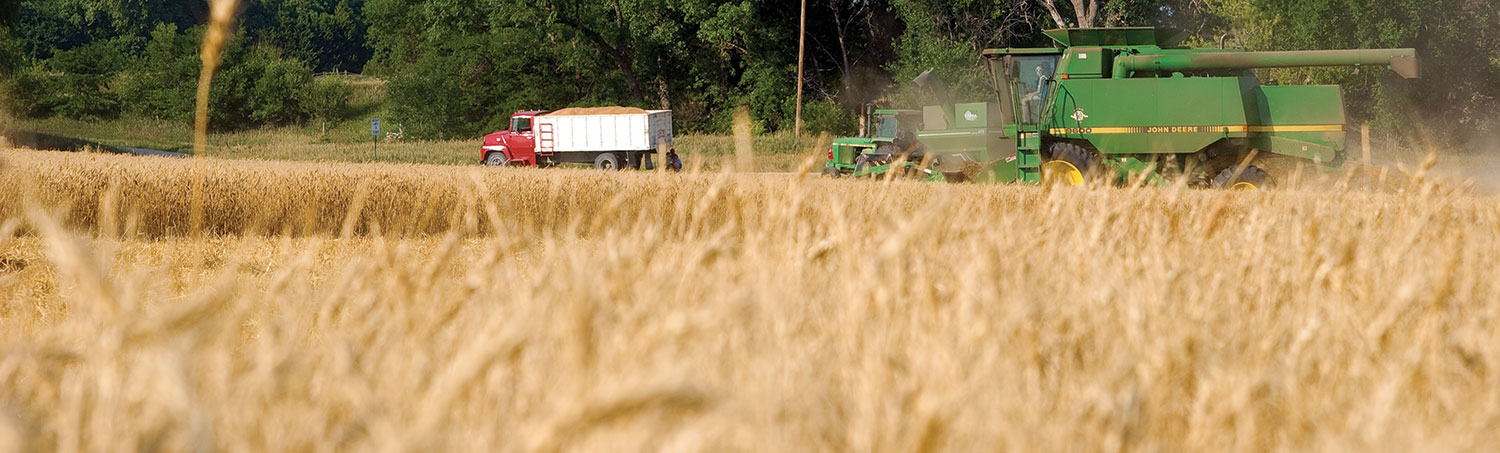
x=888 y=125
x=887 y=132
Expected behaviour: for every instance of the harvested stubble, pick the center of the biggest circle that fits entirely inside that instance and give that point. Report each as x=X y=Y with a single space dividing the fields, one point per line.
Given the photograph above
x=620 y=311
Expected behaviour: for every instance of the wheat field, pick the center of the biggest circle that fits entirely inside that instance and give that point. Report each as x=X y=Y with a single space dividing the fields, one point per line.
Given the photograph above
x=202 y=304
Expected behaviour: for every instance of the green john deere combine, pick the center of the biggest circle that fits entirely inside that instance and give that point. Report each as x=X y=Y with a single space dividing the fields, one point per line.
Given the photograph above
x=1123 y=103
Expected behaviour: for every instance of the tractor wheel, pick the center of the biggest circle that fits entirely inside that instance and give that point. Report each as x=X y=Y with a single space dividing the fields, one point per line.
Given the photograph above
x=495 y=159
x=1068 y=165
x=607 y=161
x=830 y=173
x=1251 y=178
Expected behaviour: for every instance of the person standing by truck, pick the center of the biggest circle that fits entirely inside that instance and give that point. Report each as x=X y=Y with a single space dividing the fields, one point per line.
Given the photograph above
x=672 y=162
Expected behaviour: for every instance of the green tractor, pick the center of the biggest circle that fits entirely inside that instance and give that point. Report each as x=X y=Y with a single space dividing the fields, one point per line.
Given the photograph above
x=888 y=141
x=1125 y=103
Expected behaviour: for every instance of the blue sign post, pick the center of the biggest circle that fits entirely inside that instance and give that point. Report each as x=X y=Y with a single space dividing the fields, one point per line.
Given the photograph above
x=375 y=137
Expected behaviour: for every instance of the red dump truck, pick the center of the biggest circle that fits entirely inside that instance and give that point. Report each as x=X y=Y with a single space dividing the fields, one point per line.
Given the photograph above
x=610 y=138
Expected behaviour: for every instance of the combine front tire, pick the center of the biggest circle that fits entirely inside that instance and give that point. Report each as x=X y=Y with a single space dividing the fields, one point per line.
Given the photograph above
x=1251 y=178
x=1068 y=165
x=607 y=161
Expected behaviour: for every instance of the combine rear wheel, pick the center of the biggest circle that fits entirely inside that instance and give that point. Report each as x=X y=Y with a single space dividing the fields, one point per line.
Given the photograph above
x=1251 y=178
x=1068 y=164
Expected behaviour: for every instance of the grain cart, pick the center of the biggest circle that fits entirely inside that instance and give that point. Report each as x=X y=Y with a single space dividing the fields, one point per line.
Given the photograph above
x=1126 y=102
x=888 y=133
x=609 y=138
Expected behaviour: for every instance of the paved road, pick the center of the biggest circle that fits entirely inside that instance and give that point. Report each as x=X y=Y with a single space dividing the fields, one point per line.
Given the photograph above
x=144 y=151
x=38 y=140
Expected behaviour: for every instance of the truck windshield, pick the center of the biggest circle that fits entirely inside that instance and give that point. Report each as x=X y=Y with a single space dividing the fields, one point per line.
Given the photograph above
x=887 y=127
x=520 y=124
x=1034 y=72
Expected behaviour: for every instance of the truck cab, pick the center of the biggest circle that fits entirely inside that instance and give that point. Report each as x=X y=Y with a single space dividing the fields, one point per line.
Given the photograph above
x=514 y=146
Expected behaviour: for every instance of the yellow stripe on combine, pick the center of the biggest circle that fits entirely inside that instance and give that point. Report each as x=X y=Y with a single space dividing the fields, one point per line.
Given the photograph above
x=1195 y=129
x=1301 y=128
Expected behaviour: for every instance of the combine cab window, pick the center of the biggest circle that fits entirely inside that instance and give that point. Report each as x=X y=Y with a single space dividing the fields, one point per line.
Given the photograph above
x=520 y=125
x=1034 y=73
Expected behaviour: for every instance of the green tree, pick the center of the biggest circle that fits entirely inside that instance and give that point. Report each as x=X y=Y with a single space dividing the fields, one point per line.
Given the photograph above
x=10 y=47
x=328 y=100
x=948 y=36
x=256 y=85
x=46 y=26
x=488 y=60
x=76 y=83
x=700 y=58
x=329 y=34
x=162 y=82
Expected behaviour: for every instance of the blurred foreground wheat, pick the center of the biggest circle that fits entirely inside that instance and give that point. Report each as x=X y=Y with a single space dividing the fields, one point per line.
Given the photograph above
x=398 y=307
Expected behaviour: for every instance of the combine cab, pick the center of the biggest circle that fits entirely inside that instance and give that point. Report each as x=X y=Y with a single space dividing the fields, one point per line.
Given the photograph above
x=1128 y=102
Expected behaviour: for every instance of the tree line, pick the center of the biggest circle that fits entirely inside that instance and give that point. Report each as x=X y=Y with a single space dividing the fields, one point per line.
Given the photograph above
x=457 y=68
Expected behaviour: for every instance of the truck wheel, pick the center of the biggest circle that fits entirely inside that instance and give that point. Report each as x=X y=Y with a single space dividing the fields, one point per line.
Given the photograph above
x=495 y=159
x=830 y=173
x=1068 y=165
x=1251 y=178
x=607 y=161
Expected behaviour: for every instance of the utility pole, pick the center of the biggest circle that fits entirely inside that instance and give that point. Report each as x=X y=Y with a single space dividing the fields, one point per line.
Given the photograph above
x=801 y=43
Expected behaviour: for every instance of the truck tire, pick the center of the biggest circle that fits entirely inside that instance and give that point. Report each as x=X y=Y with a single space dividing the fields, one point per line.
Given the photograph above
x=495 y=159
x=1251 y=178
x=607 y=161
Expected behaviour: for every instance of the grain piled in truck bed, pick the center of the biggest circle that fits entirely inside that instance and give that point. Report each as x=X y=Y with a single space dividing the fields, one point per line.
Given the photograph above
x=580 y=111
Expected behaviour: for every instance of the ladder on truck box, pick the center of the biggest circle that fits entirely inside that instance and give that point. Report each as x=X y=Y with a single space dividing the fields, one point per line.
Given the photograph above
x=546 y=141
